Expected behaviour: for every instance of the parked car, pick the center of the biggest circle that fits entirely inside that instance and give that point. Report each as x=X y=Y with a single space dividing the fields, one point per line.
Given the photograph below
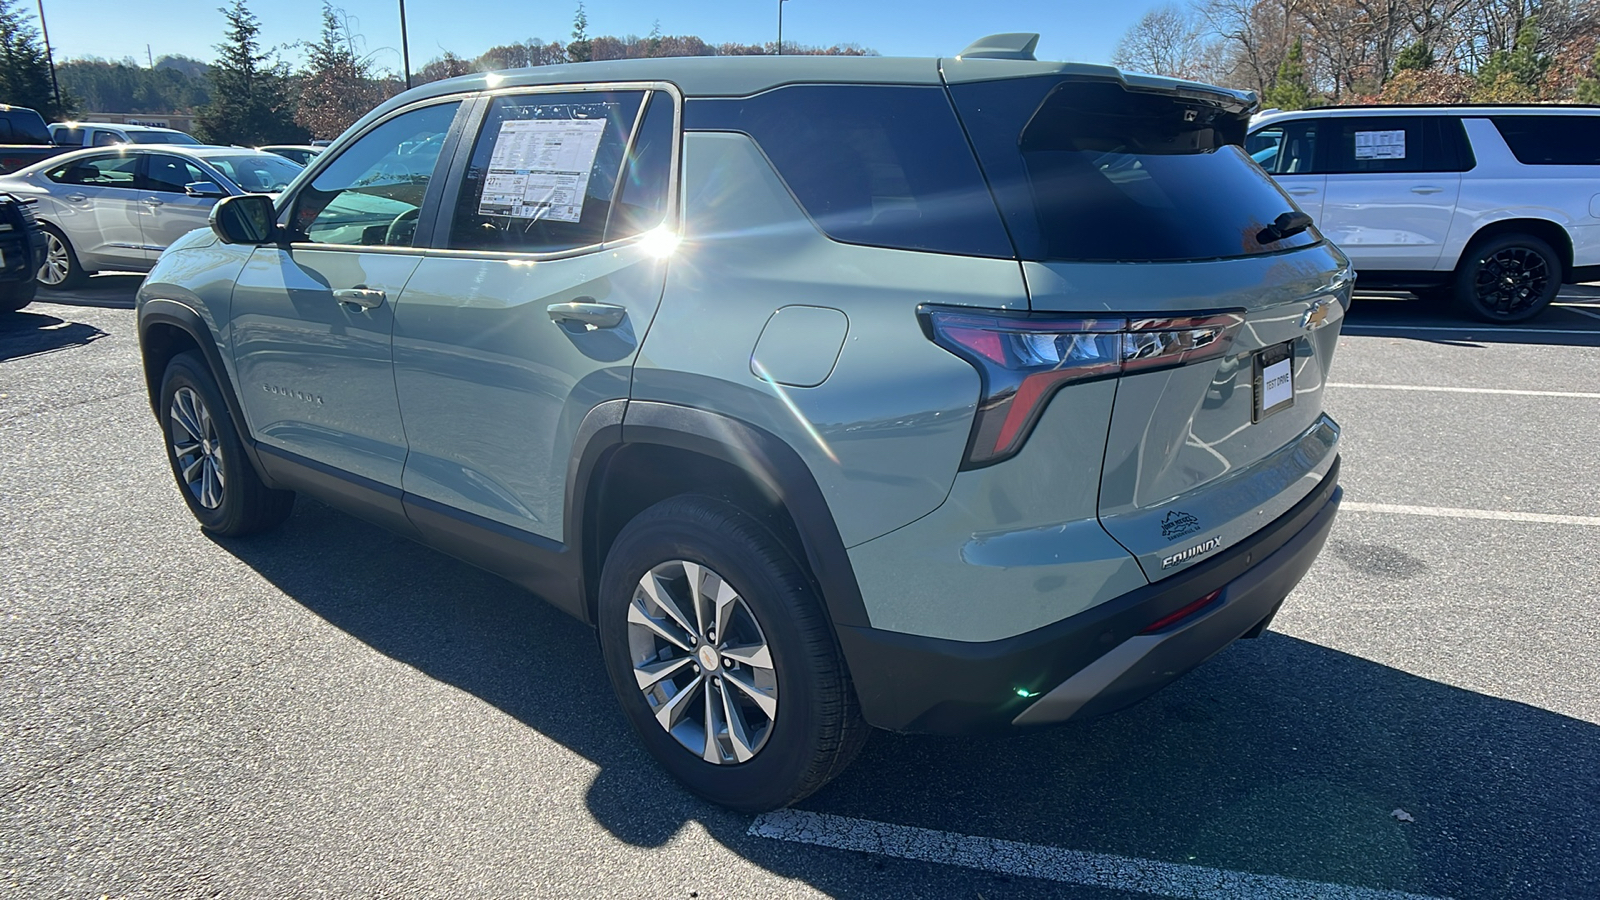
x=24 y=139
x=300 y=153
x=108 y=134
x=119 y=207
x=743 y=362
x=21 y=252
x=1491 y=207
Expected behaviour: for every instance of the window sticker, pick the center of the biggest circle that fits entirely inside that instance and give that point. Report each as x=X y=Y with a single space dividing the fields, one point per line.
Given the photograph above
x=1380 y=145
x=540 y=168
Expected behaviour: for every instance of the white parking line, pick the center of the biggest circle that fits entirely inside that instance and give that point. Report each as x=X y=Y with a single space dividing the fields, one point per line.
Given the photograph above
x=1446 y=512
x=1120 y=873
x=1579 y=395
x=1582 y=312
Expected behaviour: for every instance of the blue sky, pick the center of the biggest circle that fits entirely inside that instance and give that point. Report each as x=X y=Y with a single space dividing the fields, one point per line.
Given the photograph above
x=1070 y=29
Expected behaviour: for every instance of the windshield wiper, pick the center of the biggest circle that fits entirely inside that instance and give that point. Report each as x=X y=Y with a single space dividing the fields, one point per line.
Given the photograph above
x=1284 y=226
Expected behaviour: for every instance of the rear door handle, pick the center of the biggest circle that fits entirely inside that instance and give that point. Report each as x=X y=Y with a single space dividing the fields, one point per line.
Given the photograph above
x=366 y=298
x=1302 y=191
x=1426 y=189
x=76 y=198
x=585 y=311
x=152 y=201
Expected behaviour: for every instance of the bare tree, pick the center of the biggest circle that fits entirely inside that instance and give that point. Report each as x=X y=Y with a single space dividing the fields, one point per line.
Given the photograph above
x=1169 y=40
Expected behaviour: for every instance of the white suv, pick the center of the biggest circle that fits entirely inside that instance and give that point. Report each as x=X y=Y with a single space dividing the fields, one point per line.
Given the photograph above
x=1494 y=207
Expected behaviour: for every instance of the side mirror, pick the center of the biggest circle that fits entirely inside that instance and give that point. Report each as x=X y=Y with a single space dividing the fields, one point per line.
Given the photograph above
x=246 y=219
x=204 y=189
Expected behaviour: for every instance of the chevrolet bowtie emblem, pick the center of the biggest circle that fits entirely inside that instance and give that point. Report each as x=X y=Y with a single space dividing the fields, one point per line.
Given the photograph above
x=1317 y=315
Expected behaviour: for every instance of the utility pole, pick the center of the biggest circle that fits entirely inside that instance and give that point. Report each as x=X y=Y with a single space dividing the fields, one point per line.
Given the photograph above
x=149 y=56
x=54 y=87
x=405 y=48
x=780 y=26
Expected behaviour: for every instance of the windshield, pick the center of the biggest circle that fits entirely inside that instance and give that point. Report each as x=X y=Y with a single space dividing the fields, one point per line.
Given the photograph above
x=1088 y=171
x=257 y=173
x=160 y=137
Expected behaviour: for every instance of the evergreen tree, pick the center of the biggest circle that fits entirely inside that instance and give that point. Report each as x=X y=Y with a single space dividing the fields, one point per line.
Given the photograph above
x=1291 y=90
x=1515 y=75
x=250 y=102
x=581 y=49
x=24 y=67
x=1416 y=58
x=1589 y=85
x=337 y=87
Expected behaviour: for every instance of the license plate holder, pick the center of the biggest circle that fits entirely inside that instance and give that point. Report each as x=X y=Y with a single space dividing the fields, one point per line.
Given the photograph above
x=1274 y=380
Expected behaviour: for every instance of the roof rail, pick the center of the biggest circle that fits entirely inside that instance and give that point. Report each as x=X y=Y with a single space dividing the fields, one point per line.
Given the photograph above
x=1013 y=45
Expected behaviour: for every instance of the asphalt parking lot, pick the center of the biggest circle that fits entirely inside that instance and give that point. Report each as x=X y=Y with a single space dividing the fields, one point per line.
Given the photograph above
x=332 y=711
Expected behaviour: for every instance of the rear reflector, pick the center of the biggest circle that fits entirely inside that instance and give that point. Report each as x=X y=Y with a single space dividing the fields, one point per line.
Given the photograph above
x=1183 y=613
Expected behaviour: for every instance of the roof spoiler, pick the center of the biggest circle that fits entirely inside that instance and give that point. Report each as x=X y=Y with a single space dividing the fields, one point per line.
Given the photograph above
x=1014 y=45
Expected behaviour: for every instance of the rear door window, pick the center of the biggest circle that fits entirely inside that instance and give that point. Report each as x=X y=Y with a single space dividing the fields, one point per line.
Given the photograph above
x=543 y=171
x=104 y=171
x=1551 y=140
x=1286 y=148
x=1369 y=144
x=1087 y=171
x=885 y=166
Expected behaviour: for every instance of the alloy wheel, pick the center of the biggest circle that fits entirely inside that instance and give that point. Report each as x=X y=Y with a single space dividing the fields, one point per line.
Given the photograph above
x=1511 y=280
x=702 y=662
x=196 y=448
x=57 y=263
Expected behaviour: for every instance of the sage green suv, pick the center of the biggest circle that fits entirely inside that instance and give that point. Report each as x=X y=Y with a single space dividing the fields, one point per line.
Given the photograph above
x=928 y=394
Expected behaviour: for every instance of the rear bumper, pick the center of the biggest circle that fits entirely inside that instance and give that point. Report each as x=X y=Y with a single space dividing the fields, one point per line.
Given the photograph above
x=1096 y=661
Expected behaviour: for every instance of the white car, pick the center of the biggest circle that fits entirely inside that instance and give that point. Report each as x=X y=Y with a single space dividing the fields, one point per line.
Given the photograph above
x=117 y=208
x=107 y=134
x=1493 y=207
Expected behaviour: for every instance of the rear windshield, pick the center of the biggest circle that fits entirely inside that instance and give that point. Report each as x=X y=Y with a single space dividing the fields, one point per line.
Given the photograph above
x=160 y=137
x=1552 y=140
x=1085 y=170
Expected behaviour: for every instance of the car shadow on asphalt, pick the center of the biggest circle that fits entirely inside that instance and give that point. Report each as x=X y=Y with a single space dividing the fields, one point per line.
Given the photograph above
x=110 y=291
x=30 y=333
x=1573 y=320
x=1279 y=756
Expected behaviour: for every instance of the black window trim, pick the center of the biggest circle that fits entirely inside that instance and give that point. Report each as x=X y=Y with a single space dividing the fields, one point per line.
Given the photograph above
x=439 y=242
x=426 y=214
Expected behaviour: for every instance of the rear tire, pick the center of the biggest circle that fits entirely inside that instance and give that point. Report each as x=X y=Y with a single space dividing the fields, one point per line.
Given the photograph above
x=1509 y=278
x=14 y=296
x=60 y=271
x=765 y=759
x=207 y=457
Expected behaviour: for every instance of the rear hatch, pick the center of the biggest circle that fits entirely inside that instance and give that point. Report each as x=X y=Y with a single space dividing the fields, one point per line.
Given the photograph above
x=1131 y=199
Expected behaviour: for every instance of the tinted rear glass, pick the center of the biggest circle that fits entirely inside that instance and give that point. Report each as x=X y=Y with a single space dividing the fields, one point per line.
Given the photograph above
x=160 y=137
x=1552 y=140
x=880 y=165
x=1085 y=170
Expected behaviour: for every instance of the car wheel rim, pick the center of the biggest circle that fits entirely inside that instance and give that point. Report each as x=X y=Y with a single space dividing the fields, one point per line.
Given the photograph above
x=57 y=265
x=1512 y=280
x=702 y=662
x=196 y=448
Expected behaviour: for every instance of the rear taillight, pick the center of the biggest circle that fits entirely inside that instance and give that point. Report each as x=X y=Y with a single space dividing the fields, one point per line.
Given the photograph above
x=1024 y=358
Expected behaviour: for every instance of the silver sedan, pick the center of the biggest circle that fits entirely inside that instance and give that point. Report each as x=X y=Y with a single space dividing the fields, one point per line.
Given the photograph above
x=117 y=208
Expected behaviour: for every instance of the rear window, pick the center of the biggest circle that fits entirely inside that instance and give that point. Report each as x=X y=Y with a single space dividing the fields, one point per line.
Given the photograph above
x=160 y=137
x=1552 y=140
x=881 y=165
x=1087 y=171
x=26 y=127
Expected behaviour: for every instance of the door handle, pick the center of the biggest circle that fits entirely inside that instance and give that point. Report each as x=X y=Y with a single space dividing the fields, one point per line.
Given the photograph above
x=1302 y=191
x=585 y=311
x=152 y=201
x=76 y=198
x=364 y=297
x=1426 y=189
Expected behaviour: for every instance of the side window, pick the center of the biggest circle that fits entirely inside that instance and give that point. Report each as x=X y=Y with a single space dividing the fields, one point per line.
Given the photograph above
x=1286 y=149
x=372 y=193
x=543 y=171
x=1551 y=140
x=106 y=138
x=104 y=171
x=642 y=203
x=877 y=165
x=170 y=174
x=1387 y=144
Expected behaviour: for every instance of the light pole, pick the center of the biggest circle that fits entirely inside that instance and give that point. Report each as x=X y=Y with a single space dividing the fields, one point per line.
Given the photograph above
x=405 y=48
x=50 y=57
x=780 y=26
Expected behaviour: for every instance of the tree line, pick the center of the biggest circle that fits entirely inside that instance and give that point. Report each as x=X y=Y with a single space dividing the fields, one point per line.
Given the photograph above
x=1299 y=53
x=249 y=95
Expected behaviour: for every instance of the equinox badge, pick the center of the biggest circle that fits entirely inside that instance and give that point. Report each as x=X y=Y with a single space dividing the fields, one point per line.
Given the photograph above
x=1191 y=553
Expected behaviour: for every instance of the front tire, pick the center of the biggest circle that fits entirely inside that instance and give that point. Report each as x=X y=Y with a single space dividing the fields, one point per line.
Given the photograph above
x=1510 y=278
x=207 y=458
x=60 y=270
x=722 y=658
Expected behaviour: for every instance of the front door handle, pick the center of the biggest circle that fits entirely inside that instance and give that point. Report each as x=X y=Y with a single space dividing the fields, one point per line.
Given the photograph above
x=1302 y=191
x=152 y=201
x=585 y=311
x=366 y=298
x=1426 y=189
x=76 y=198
